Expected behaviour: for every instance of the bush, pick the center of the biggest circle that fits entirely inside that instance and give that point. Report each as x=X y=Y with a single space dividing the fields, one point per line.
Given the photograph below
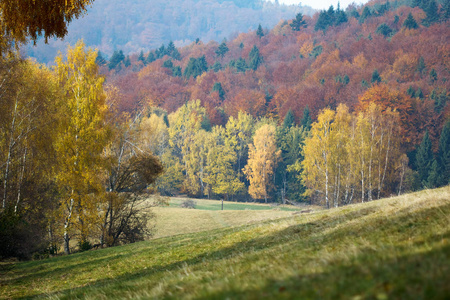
x=84 y=246
x=189 y=204
x=161 y=201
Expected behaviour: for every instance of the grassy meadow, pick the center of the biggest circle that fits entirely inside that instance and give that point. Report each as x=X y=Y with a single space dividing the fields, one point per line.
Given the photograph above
x=208 y=215
x=395 y=248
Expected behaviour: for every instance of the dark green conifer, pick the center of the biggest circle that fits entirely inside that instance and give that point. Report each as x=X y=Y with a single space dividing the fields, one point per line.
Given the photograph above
x=433 y=75
x=259 y=31
x=410 y=23
x=222 y=49
x=424 y=158
x=116 y=59
x=298 y=23
x=306 y=119
x=254 y=58
x=218 y=87
x=375 y=77
x=289 y=119
x=444 y=155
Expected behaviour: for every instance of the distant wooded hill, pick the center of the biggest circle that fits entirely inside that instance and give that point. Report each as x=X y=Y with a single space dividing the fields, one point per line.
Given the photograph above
x=135 y=25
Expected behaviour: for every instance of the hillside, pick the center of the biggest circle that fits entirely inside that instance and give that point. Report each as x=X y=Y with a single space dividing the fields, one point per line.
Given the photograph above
x=320 y=65
x=393 y=248
x=136 y=25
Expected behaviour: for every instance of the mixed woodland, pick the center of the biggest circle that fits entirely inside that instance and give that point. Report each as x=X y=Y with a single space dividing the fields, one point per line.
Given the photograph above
x=343 y=107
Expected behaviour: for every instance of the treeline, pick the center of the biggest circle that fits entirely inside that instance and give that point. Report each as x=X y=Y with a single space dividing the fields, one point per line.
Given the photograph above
x=71 y=168
x=341 y=158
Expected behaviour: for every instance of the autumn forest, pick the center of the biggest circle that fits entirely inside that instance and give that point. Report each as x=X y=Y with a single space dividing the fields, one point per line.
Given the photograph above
x=344 y=107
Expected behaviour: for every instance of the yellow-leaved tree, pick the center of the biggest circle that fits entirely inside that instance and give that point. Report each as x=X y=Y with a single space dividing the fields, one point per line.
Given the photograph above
x=81 y=138
x=262 y=160
x=317 y=154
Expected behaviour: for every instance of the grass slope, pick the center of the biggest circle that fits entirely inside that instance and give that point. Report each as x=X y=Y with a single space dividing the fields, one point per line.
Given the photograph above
x=388 y=249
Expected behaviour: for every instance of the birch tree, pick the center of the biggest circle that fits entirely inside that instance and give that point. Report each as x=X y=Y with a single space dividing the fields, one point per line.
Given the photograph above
x=81 y=139
x=263 y=158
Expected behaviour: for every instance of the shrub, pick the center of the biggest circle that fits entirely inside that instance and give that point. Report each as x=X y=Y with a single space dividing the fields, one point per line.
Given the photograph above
x=189 y=204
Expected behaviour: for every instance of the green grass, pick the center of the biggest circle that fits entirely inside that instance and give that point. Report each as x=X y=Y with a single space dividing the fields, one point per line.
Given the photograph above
x=207 y=215
x=397 y=248
x=203 y=204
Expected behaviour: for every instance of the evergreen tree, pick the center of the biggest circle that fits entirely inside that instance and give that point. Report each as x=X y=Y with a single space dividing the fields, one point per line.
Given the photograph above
x=444 y=155
x=151 y=57
x=410 y=91
x=366 y=13
x=259 y=31
x=433 y=75
x=298 y=23
x=419 y=93
x=116 y=59
x=446 y=10
x=159 y=53
x=289 y=119
x=306 y=119
x=222 y=49
x=100 y=60
x=176 y=71
x=433 y=177
x=340 y=16
x=218 y=87
x=424 y=158
x=196 y=67
x=432 y=13
x=172 y=51
x=421 y=65
x=142 y=58
x=168 y=64
x=254 y=58
x=127 y=62
x=410 y=23
x=217 y=66
x=384 y=29
x=241 y=65
x=375 y=77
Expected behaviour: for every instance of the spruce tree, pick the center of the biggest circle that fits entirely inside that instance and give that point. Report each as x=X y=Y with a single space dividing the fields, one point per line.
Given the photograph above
x=289 y=119
x=306 y=119
x=218 y=87
x=254 y=58
x=241 y=65
x=433 y=177
x=424 y=158
x=433 y=75
x=432 y=13
x=444 y=155
x=127 y=62
x=410 y=23
x=116 y=59
x=151 y=57
x=421 y=65
x=260 y=32
x=375 y=77
x=142 y=58
x=222 y=49
x=100 y=60
x=384 y=29
x=298 y=23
